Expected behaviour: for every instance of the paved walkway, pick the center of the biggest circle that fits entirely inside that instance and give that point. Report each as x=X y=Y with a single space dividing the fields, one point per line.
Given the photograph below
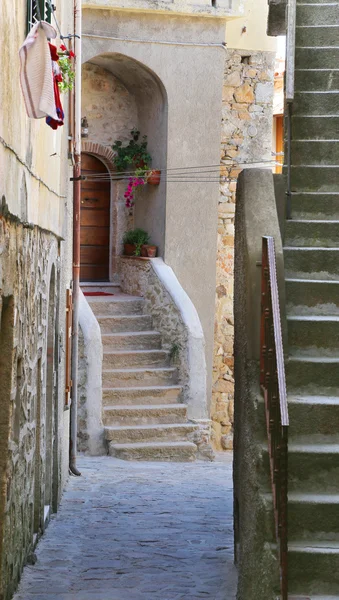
x=138 y=531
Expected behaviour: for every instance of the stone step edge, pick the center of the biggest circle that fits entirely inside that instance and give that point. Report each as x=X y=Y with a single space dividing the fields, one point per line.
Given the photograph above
x=140 y=445
x=324 y=547
x=132 y=317
x=131 y=333
x=311 y=221
x=313 y=359
x=140 y=370
x=133 y=351
x=306 y=498
x=146 y=407
x=308 y=400
x=313 y=281
x=150 y=388
x=152 y=427
x=313 y=318
x=319 y=449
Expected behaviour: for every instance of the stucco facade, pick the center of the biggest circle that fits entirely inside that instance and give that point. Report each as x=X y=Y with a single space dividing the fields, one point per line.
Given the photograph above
x=35 y=270
x=172 y=66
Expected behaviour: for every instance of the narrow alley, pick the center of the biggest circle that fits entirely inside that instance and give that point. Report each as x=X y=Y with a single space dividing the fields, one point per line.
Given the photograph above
x=139 y=531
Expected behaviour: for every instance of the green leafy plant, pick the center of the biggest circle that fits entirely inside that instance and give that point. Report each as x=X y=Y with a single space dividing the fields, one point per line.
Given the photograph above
x=174 y=352
x=132 y=157
x=66 y=68
x=137 y=237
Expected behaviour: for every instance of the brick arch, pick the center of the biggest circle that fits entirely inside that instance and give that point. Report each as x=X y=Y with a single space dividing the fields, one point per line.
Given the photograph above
x=105 y=153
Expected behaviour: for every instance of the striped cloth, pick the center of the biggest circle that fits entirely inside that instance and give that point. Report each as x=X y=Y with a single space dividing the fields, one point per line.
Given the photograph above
x=36 y=76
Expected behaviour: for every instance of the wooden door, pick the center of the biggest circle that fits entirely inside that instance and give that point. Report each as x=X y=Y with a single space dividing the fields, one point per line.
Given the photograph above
x=94 y=221
x=279 y=146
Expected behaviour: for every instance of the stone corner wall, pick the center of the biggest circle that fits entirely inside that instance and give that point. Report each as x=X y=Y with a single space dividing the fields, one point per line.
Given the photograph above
x=246 y=138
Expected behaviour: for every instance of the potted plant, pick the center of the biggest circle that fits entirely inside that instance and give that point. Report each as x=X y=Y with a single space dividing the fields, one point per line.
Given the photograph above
x=134 y=157
x=134 y=240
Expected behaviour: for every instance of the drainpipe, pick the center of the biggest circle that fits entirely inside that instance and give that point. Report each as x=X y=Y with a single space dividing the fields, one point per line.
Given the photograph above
x=76 y=236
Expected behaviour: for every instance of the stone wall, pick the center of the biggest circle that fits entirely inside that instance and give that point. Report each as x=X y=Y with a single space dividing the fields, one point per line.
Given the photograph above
x=31 y=418
x=246 y=137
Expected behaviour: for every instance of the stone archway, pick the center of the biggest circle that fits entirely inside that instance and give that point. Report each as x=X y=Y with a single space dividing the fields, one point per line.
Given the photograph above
x=120 y=217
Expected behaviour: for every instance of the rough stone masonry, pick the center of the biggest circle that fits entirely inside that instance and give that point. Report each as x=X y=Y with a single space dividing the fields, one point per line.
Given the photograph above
x=246 y=137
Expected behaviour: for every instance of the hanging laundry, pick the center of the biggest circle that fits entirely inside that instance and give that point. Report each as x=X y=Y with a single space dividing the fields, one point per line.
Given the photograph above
x=57 y=77
x=36 y=74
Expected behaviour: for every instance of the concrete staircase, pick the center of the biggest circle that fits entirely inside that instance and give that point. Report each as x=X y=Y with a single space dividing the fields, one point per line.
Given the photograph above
x=312 y=286
x=143 y=416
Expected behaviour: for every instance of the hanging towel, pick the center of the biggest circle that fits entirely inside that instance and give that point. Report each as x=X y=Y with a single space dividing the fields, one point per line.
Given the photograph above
x=36 y=75
x=57 y=77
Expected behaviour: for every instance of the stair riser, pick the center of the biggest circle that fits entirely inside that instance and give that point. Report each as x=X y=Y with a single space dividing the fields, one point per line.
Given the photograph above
x=314 y=128
x=313 y=422
x=315 y=206
x=314 y=337
x=316 y=264
x=313 y=521
x=312 y=298
x=314 y=573
x=315 y=103
x=111 y=398
x=318 y=15
x=312 y=234
x=132 y=342
x=318 y=58
x=114 y=418
x=129 y=307
x=317 y=36
x=119 y=324
x=171 y=454
x=129 y=360
x=311 y=472
x=314 y=179
x=313 y=377
x=142 y=378
x=178 y=434
x=315 y=153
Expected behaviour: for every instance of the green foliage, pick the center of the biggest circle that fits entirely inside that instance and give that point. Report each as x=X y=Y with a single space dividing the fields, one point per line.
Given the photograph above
x=174 y=352
x=67 y=72
x=137 y=237
x=134 y=156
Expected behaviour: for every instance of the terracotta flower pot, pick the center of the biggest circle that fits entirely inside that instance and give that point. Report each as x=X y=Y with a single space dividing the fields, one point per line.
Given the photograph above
x=152 y=251
x=143 y=251
x=153 y=177
x=129 y=249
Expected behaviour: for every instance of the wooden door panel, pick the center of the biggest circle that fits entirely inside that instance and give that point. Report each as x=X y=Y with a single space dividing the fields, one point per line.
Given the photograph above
x=95 y=236
x=93 y=255
x=94 y=221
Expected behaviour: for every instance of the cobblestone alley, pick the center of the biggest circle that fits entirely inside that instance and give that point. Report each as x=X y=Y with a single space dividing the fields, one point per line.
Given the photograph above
x=139 y=531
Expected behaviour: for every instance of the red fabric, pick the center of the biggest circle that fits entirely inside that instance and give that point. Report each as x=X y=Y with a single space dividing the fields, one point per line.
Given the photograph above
x=97 y=294
x=55 y=123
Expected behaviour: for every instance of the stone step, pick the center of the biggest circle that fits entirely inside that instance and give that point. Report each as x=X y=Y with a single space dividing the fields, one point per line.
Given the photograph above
x=170 y=432
x=310 y=335
x=95 y=286
x=300 y=232
x=316 y=103
x=312 y=296
x=141 y=395
x=315 y=205
x=312 y=468
x=310 y=127
x=313 y=516
x=319 y=14
x=111 y=324
x=318 y=152
x=313 y=375
x=317 y=36
x=311 y=263
x=313 y=418
x=314 y=567
x=142 y=377
x=317 y=57
x=314 y=179
x=132 y=340
x=134 y=358
x=156 y=451
x=106 y=305
x=144 y=414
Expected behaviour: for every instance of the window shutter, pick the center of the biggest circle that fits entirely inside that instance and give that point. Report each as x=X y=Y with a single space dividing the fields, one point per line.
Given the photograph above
x=33 y=12
x=69 y=317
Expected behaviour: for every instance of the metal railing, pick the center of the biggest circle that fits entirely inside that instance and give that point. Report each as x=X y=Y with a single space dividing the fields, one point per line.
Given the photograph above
x=273 y=385
x=289 y=91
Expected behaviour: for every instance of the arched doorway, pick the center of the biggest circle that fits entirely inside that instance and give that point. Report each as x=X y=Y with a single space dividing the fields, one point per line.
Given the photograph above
x=94 y=221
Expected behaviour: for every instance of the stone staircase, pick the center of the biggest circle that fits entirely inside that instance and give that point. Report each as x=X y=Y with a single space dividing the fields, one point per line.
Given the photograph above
x=143 y=416
x=311 y=251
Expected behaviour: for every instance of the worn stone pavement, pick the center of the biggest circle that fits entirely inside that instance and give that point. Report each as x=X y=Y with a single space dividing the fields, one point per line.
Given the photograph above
x=139 y=531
